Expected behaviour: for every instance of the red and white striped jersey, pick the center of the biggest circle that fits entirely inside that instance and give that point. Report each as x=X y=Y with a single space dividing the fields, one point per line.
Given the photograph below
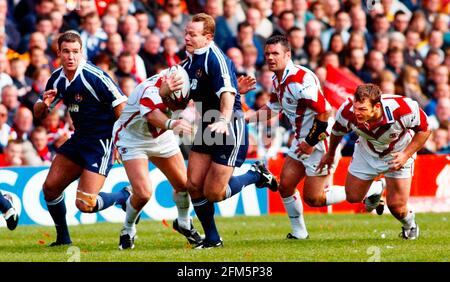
x=401 y=117
x=299 y=96
x=143 y=100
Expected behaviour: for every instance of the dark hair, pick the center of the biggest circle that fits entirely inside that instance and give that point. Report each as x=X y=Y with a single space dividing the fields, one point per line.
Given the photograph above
x=279 y=39
x=242 y=25
x=69 y=36
x=368 y=91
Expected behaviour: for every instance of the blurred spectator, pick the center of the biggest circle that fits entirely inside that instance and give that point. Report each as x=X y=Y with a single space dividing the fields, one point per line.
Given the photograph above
x=153 y=58
x=341 y=27
x=40 y=143
x=411 y=54
x=179 y=18
x=57 y=134
x=23 y=123
x=125 y=67
x=5 y=129
x=435 y=40
x=314 y=51
x=442 y=113
x=172 y=54
x=5 y=79
x=92 y=36
x=235 y=54
x=114 y=47
x=408 y=85
x=12 y=154
x=10 y=100
x=395 y=61
x=143 y=24
x=227 y=24
x=8 y=26
x=313 y=29
x=302 y=15
x=250 y=55
x=38 y=60
x=163 y=27
x=40 y=78
x=132 y=45
x=441 y=140
x=375 y=64
x=356 y=64
x=401 y=21
x=127 y=85
x=442 y=91
x=245 y=36
x=442 y=23
x=337 y=46
x=381 y=43
x=358 y=24
x=261 y=25
x=285 y=23
x=110 y=25
x=129 y=25
x=22 y=82
x=27 y=24
x=296 y=39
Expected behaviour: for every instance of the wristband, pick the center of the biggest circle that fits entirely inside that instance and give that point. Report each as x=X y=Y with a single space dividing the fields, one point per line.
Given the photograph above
x=169 y=124
x=317 y=132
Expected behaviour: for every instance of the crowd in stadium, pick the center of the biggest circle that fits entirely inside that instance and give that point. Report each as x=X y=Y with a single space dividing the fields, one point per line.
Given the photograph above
x=401 y=45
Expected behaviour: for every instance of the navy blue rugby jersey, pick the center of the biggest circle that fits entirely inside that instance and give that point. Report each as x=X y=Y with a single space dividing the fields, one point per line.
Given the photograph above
x=211 y=73
x=90 y=98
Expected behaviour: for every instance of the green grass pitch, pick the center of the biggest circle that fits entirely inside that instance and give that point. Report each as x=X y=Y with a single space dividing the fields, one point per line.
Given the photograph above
x=337 y=237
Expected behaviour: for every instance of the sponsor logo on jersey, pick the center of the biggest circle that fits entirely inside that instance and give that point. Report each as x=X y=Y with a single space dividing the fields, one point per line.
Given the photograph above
x=78 y=97
x=198 y=73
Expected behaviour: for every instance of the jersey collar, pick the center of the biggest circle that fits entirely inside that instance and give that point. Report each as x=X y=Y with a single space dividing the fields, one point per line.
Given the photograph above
x=288 y=70
x=79 y=69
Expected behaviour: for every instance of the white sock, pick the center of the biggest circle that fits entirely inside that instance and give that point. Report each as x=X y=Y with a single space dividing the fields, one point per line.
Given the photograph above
x=182 y=200
x=375 y=189
x=335 y=194
x=408 y=221
x=294 y=208
x=130 y=218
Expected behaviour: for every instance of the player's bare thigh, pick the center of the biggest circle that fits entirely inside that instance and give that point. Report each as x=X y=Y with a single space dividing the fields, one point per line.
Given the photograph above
x=397 y=195
x=356 y=188
x=62 y=172
x=292 y=173
x=174 y=169
x=137 y=172
x=198 y=166
x=216 y=181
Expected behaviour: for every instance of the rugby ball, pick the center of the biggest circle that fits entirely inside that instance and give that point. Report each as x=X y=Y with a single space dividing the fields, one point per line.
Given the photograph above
x=183 y=94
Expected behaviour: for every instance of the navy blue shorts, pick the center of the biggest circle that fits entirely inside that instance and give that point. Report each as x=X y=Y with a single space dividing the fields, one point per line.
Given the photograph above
x=93 y=154
x=228 y=150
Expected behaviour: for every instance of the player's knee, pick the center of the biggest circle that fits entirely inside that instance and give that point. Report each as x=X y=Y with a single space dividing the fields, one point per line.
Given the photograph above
x=194 y=189
x=83 y=207
x=354 y=198
x=50 y=193
x=142 y=195
x=86 y=202
x=214 y=196
x=313 y=201
x=398 y=210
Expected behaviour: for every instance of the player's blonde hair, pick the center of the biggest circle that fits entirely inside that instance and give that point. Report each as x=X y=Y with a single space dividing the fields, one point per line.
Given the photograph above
x=209 y=25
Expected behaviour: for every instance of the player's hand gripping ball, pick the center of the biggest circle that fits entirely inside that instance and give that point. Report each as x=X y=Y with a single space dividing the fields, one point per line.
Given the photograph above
x=182 y=95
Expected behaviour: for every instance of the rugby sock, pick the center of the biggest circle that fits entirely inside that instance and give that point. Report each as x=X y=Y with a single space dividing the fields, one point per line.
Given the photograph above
x=335 y=194
x=294 y=208
x=182 y=200
x=205 y=213
x=5 y=205
x=57 y=209
x=130 y=218
x=408 y=221
x=105 y=200
x=375 y=189
x=236 y=183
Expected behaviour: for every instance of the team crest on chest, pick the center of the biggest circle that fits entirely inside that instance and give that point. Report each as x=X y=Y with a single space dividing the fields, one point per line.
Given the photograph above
x=289 y=100
x=78 y=97
x=198 y=73
x=393 y=135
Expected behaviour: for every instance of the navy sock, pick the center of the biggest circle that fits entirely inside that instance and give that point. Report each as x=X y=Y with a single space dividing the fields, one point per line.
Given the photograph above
x=236 y=183
x=105 y=200
x=5 y=205
x=205 y=213
x=57 y=209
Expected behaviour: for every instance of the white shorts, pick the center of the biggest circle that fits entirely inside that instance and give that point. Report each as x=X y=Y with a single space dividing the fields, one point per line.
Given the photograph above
x=367 y=167
x=164 y=146
x=310 y=162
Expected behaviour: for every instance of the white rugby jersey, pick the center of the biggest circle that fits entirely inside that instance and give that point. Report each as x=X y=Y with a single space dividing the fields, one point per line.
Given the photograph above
x=300 y=98
x=143 y=100
x=401 y=117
